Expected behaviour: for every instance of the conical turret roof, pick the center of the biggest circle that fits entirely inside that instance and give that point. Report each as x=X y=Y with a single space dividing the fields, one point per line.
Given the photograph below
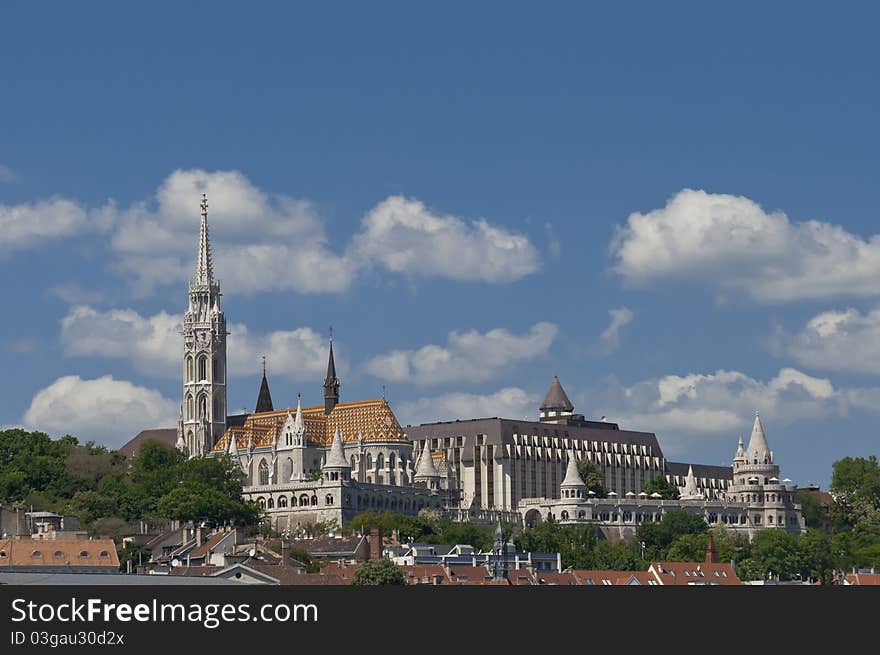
x=426 y=467
x=572 y=475
x=336 y=456
x=556 y=397
x=264 y=399
x=758 y=442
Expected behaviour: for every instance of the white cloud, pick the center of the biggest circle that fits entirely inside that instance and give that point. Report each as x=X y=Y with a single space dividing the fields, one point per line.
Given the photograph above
x=404 y=236
x=154 y=346
x=32 y=224
x=104 y=409
x=620 y=318
x=846 y=341
x=719 y=404
x=510 y=402
x=467 y=356
x=731 y=242
x=266 y=241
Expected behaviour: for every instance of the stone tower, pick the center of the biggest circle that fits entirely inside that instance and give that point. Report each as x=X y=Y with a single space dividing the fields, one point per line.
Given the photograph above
x=203 y=414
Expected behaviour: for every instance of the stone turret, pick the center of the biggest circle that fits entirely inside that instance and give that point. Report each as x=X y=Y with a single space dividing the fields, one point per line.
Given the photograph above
x=426 y=473
x=573 y=485
x=337 y=467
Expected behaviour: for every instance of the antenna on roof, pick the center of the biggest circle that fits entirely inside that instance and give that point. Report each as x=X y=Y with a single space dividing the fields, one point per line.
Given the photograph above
x=383 y=392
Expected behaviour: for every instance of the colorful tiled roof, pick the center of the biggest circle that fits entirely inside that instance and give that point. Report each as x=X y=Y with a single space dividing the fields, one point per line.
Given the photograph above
x=371 y=418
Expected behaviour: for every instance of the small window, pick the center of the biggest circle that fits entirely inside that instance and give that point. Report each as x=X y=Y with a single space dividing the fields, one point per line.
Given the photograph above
x=104 y=553
x=58 y=553
x=83 y=553
x=36 y=553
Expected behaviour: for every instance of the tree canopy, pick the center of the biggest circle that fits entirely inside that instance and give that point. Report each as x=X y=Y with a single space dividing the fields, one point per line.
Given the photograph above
x=378 y=572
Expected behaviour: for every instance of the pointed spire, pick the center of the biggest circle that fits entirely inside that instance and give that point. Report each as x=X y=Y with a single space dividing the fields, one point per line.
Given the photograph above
x=758 y=448
x=336 y=456
x=572 y=475
x=331 y=382
x=299 y=425
x=556 y=398
x=204 y=262
x=264 y=399
x=426 y=468
x=691 y=491
x=740 y=451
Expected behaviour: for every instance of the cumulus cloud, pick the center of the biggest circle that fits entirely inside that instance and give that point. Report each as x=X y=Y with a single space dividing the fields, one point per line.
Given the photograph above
x=719 y=404
x=402 y=235
x=104 y=409
x=153 y=345
x=31 y=224
x=266 y=241
x=467 y=356
x=510 y=402
x=846 y=341
x=610 y=337
x=732 y=243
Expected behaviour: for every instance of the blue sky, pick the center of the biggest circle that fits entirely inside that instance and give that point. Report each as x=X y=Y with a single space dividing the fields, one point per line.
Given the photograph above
x=672 y=207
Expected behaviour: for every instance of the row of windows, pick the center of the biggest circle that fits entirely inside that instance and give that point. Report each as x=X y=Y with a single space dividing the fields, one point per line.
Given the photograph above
x=58 y=553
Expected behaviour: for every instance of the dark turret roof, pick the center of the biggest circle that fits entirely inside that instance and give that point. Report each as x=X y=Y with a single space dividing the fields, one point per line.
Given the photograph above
x=331 y=368
x=556 y=397
x=264 y=400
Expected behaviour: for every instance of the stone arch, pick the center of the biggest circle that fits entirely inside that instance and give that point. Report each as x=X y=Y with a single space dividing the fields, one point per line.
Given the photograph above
x=190 y=368
x=203 y=367
x=532 y=518
x=263 y=472
x=190 y=407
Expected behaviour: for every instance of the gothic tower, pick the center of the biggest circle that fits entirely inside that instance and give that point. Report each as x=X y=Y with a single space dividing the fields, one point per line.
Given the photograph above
x=203 y=415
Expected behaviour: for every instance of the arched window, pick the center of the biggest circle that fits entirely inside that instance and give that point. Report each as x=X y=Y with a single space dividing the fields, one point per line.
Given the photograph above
x=391 y=460
x=380 y=461
x=189 y=368
x=282 y=501
x=261 y=502
x=564 y=516
x=314 y=500
x=203 y=407
x=36 y=553
x=203 y=367
x=270 y=503
x=328 y=500
x=369 y=461
x=304 y=500
x=58 y=553
x=190 y=407
x=353 y=465
x=264 y=472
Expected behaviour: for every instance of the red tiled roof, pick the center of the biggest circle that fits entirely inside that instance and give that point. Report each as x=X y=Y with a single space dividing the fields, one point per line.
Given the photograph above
x=58 y=552
x=690 y=573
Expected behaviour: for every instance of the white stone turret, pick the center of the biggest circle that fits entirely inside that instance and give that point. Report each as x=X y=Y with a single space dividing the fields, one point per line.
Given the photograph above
x=758 y=452
x=573 y=485
x=336 y=467
x=426 y=473
x=691 y=491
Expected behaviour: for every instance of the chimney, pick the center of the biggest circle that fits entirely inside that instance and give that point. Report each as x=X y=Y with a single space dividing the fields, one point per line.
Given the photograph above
x=711 y=553
x=375 y=543
x=198 y=536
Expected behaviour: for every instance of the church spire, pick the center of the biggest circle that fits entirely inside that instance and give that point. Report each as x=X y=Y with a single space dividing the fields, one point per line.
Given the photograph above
x=331 y=382
x=264 y=399
x=758 y=449
x=204 y=262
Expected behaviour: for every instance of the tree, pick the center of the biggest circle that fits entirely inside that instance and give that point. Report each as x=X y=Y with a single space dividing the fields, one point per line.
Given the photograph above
x=774 y=553
x=135 y=552
x=378 y=572
x=818 y=555
x=815 y=515
x=592 y=477
x=659 y=484
x=658 y=536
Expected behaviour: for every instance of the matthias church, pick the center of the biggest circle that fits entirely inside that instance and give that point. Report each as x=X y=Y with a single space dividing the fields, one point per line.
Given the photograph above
x=329 y=462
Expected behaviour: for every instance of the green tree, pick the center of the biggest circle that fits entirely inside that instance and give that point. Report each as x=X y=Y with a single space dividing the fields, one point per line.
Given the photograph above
x=378 y=572
x=818 y=555
x=592 y=477
x=137 y=553
x=658 y=536
x=815 y=515
x=774 y=553
x=659 y=484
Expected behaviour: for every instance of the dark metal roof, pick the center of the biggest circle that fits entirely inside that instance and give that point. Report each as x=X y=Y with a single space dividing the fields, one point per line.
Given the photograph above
x=498 y=431
x=700 y=470
x=556 y=397
x=264 y=399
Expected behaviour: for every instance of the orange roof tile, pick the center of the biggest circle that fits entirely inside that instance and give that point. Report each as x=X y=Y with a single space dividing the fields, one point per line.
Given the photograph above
x=58 y=552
